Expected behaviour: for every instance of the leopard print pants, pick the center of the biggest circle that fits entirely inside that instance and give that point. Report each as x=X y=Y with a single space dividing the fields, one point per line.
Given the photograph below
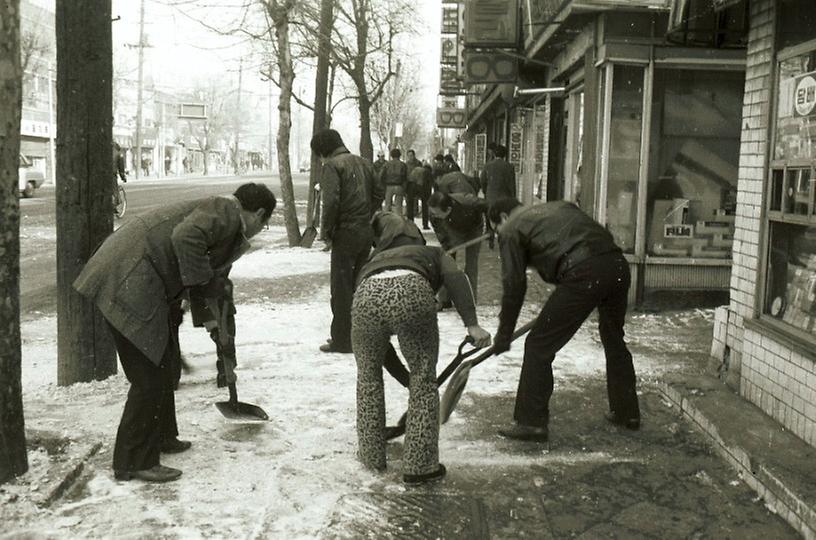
x=403 y=305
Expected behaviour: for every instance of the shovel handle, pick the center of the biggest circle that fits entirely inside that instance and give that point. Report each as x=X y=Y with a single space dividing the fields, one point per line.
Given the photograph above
x=233 y=393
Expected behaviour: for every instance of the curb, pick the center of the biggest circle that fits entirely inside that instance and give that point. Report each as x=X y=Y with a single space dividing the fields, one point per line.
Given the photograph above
x=772 y=488
x=67 y=474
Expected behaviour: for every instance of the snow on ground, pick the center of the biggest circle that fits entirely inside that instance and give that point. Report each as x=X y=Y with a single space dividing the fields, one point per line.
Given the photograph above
x=277 y=479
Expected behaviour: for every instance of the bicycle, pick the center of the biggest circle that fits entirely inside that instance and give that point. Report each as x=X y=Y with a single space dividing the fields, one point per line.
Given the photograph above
x=119 y=201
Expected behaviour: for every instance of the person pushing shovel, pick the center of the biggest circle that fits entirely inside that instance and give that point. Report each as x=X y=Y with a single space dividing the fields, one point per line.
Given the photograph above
x=137 y=279
x=395 y=295
x=571 y=250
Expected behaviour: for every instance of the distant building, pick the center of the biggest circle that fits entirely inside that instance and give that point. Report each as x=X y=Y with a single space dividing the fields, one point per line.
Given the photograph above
x=39 y=119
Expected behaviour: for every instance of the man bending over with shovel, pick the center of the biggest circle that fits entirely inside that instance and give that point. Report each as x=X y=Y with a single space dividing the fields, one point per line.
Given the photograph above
x=574 y=252
x=137 y=278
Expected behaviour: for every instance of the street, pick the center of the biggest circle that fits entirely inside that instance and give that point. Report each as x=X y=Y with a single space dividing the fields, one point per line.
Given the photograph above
x=38 y=235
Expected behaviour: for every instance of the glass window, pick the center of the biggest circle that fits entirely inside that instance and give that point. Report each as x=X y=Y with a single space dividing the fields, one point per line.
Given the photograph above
x=624 y=154
x=796 y=108
x=693 y=163
x=791 y=288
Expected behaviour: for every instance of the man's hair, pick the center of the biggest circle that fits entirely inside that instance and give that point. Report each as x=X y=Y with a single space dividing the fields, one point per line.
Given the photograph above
x=395 y=153
x=325 y=142
x=500 y=151
x=504 y=205
x=439 y=157
x=412 y=152
x=448 y=157
x=381 y=154
x=256 y=196
x=440 y=200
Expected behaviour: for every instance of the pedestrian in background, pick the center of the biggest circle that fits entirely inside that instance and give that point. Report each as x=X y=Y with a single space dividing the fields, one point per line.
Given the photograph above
x=438 y=169
x=411 y=188
x=498 y=177
x=396 y=297
x=348 y=190
x=450 y=164
x=420 y=177
x=137 y=279
x=579 y=256
x=394 y=176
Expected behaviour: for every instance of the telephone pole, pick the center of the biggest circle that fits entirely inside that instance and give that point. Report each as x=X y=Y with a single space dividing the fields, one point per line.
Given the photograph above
x=235 y=159
x=139 y=92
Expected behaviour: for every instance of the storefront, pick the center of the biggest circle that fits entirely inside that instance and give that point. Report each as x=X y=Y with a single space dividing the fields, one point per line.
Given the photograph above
x=764 y=341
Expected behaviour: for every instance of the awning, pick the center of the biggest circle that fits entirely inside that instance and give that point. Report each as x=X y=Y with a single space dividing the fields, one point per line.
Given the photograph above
x=34 y=147
x=722 y=4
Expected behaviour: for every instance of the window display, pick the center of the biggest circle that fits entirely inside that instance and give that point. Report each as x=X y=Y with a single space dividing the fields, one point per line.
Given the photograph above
x=796 y=108
x=791 y=290
x=693 y=163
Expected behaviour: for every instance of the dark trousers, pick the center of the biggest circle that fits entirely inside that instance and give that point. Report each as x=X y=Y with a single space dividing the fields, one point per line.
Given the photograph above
x=350 y=248
x=424 y=194
x=599 y=282
x=410 y=200
x=149 y=416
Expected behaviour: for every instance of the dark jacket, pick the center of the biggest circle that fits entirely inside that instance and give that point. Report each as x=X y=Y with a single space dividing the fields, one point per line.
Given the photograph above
x=464 y=222
x=498 y=179
x=550 y=237
x=347 y=189
x=392 y=230
x=434 y=265
x=394 y=173
x=412 y=164
x=147 y=263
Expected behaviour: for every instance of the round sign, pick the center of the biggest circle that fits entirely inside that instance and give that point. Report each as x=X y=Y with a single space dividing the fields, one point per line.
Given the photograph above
x=804 y=97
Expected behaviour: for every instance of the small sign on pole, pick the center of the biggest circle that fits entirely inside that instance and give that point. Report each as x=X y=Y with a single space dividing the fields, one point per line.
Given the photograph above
x=515 y=150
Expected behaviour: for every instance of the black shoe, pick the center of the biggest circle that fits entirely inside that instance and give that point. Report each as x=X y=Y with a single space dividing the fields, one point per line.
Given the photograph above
x=521 y=432
x=628 y=423
x=175 y=446
x=331 y=348
x=157 y=473
x=416 y=479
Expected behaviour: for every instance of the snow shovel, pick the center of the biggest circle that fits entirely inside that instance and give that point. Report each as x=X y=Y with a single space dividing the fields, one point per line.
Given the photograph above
x=310 y=233
x=392 y=432
x=233 y=409
x=459 y=379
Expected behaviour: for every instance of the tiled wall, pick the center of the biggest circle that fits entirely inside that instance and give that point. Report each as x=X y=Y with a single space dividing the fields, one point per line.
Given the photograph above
x=778 y=380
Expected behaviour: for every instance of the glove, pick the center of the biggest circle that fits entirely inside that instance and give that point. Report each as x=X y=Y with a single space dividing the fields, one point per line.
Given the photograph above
x=501 y=344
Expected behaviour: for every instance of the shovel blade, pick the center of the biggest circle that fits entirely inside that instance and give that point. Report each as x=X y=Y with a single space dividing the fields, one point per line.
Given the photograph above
x=241 y=412
x=453 y=391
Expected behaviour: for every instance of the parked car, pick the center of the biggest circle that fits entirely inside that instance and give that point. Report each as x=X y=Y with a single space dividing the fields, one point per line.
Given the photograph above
x=29 y=177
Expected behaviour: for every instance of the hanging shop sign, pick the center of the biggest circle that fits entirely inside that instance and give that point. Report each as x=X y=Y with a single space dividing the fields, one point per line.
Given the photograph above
x=804 y=95
x=491 y=23
x=480 y=150
x=451 y=118
x=484 y=67
x=449 y=82
x=449 y=51
x=450 y=18
x=515 y=147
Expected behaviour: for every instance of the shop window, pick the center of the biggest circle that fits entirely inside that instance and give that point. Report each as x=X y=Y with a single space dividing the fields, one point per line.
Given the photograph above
x=693 y=163
x=624 y=154
x=790 y=287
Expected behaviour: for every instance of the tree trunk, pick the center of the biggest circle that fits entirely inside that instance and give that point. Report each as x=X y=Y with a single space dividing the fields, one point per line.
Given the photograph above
x=279 y=13
x=321 y=94
x=13 y=460
x=84 y=181
x=364 y=106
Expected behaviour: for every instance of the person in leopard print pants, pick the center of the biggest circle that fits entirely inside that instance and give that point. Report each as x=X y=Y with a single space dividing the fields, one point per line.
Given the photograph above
x=396 y=295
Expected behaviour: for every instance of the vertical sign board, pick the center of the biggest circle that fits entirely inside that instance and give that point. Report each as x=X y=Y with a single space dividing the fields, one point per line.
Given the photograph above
x=450 y=18
x=481 y=150
x=491 y=23
x=515 y=147
x=449 y=51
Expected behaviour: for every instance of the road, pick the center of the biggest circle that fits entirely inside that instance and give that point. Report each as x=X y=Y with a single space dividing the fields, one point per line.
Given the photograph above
x=38 y=281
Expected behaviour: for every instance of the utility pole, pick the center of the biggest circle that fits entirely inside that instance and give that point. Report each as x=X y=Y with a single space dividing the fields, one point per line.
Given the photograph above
x=270 y=118
x=139 y=92
x=235 y=158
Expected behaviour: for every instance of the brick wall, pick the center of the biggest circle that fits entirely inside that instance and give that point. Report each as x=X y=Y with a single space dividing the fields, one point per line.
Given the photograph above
x=780 y=381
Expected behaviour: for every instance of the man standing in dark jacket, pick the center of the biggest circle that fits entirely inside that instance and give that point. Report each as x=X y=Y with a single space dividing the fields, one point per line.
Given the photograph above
x=411 y=187
x=394 y=176
x=571 y=250
x=348 y=189
x=498 y=177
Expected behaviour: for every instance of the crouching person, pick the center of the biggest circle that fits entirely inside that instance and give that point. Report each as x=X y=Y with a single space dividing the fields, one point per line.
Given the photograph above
x=137 y=279
x=396 y=295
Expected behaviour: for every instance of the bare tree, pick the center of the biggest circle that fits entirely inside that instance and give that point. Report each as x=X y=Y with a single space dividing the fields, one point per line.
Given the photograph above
x=84 y=186
x=363 y=46
x=33 y=41
x=13 y=460
x=400 y=102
